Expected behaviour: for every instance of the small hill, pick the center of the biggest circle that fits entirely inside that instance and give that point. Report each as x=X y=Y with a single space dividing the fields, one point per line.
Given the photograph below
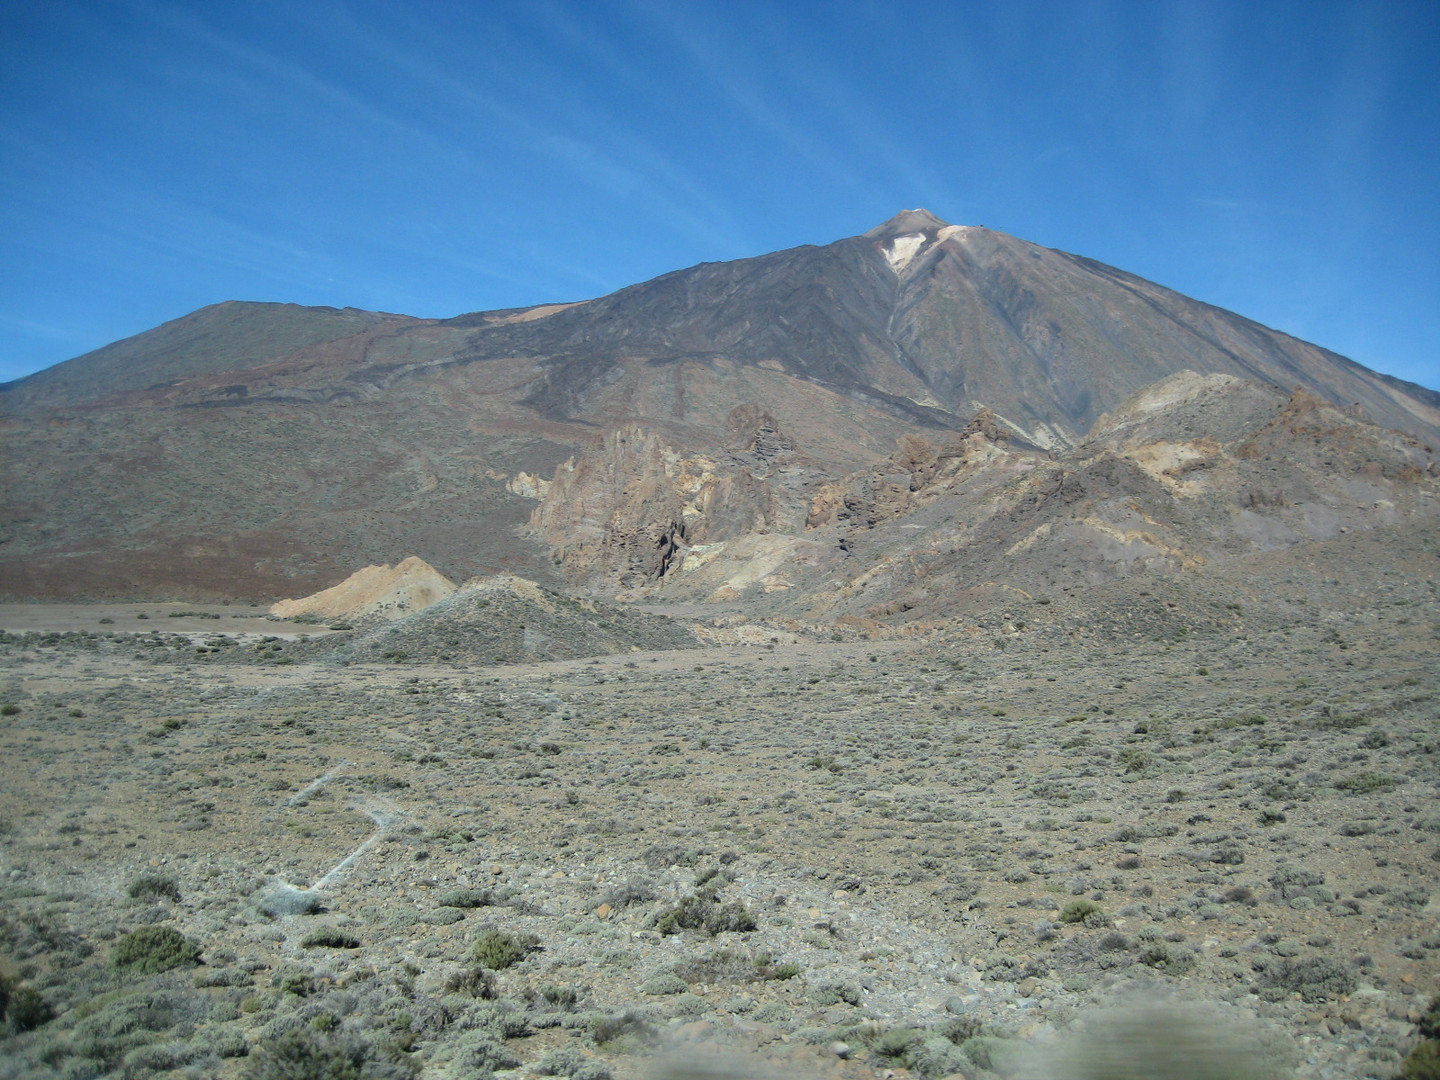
x=507 y=620
x=386 y=592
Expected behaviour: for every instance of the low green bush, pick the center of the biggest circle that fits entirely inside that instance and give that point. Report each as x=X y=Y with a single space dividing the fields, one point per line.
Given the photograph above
x=1171 y=959
x=1422 y=1063
x=1076 y=911
x=1367 y=783
x=475 y=982
x=330 y=937
x=498 y=950
x=663 y=984
x=1314 y=978
x=152 y=949
x=893 y=1047
x=25 y=1009
x=562 y=997
x=833 y=993
x=303 y=1053
x=154 y=887
x=700 y=911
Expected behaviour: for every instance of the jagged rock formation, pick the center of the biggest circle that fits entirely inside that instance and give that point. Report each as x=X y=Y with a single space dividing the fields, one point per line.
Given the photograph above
x=625 y=507
x=383 y=592
x=1188 y=473
x=264 y=450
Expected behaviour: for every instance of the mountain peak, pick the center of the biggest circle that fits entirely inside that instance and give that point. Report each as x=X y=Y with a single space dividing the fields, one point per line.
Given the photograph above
x=907 y=222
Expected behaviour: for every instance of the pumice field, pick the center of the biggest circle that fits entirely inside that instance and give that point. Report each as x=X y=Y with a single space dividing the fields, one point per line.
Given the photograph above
x=1015 y=848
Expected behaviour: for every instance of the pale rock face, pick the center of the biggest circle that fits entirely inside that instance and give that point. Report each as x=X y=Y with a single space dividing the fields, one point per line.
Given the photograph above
x=528 y=486
x=386 y=592
x=633 y=508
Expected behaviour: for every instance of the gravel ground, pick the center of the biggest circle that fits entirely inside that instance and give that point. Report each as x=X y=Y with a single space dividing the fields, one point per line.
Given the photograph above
x=919 y=856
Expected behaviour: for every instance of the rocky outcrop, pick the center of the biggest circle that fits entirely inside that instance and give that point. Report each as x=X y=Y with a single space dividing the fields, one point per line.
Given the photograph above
x=632 y=506
x=1184 y=475
x=916 y=474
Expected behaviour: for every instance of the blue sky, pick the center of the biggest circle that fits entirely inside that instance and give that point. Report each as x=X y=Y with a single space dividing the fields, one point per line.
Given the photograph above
x=1279 y=159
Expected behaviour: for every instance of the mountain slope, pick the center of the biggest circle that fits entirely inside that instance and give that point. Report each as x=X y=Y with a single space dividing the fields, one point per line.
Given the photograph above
x=932 y=322
x=226 y=337
x=264 y=450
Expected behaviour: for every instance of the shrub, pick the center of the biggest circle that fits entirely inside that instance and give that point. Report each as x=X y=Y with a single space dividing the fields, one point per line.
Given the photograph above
x=893 y=1046
x=1079 y=911
x=1422 y=1063
x=1367 y=783
x=1295 y=883
x=475 y=982
x=568 y=1061
x=160 y=1057
x=1113 y=942
x=1314 y=978
x=632 y=891
x=936 y=1057
x=111 y=1025
x=330 y=937
x=1171 y=959
x=562 y=997
x=659 y=856
x=1412 y=898
x=628 y=1025
x=1227 y=855
x=701 y=912
x=288 y=900
x=466 y=898
x=154 y=887
x=151 y=949
x=1136 y=760
x=1129 y=834
x=833 y=993
x=1429 y=1025
x=498 y=1019
x=481 y=1053
x=498 y=950
x=663 y=984
x=294 y=980
x=305 y=1054
x=25 y=1009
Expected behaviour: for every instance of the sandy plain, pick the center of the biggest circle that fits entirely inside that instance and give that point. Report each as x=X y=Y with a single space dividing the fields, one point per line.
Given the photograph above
x=943 y=856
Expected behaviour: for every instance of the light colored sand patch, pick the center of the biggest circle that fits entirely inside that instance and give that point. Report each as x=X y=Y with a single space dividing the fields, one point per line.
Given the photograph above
x=542 y=311
x=387 y=591
x=900 y=251
x=1170 y=462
